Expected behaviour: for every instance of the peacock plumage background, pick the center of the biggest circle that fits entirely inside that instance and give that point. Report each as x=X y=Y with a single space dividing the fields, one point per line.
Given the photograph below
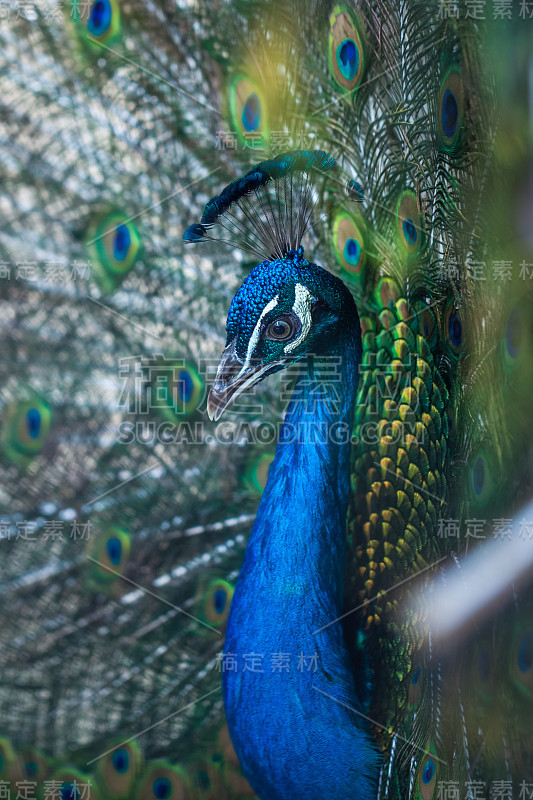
x=125 y=511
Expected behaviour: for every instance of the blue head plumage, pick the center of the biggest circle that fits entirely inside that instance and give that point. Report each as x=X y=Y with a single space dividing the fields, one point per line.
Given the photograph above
x=275 y=284
x=286 y=309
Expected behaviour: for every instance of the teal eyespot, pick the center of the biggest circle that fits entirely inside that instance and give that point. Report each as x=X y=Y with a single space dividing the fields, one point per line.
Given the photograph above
x=349 y=245
x=480 y=479
x=100 y=17
x=121 y=760
x=97 y=22
x=110 y=550
x=454 y=332
x=345 y=49
x=514 y=338
x=352 y=251
x=202 y=780
x=115 y=246
x=427 y=777
x=185 y=386
x=33 y=419
x=450 y=113
x=455 y=329
x=451 y=110
x=410 y=232
x=114 y=549
x=118 y=771
x=217 y=603
x=35 y=765
x=162 y=788
x=121 y=242
x=348 y=59
x=162 y=781
x=25 y=429
x=409 y=223
x=428 y=771
x=251 y=113
x=248 y=111
x=178 y=389
x=69 y=791
x=522 y=657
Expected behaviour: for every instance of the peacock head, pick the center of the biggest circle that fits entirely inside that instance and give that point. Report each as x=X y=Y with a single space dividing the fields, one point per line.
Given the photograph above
x=285 y=310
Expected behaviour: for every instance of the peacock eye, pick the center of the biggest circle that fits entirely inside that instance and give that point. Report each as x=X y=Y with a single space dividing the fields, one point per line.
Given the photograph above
x=279 y=329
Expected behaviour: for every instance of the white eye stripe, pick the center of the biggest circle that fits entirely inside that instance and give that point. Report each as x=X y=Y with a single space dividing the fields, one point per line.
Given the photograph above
x=302 y=308
x=254 y=338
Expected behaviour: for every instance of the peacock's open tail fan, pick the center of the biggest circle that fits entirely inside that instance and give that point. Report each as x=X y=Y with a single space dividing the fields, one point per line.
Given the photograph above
x=327 y=592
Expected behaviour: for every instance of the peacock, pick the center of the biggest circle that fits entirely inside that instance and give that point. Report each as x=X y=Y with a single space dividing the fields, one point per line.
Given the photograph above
x=302 y=568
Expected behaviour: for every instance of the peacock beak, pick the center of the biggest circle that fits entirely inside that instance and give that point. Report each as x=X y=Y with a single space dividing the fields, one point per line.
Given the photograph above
x=233 y=377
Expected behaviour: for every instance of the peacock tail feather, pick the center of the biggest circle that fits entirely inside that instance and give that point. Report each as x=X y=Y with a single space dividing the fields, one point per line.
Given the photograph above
x=125 y=512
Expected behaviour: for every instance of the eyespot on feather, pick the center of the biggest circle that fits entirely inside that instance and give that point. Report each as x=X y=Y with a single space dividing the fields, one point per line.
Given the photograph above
x=114 y=245
x=97 y=23
x=409 y=223
x=162 y=780
x=427 y=776
x=349 y=246
x=119 y=769
x=345 y=49
x=25 y=429
x=248 y=111
x=451 y=108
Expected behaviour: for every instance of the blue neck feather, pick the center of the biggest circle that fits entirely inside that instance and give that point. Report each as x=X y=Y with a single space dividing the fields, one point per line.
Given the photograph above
x=291 y=722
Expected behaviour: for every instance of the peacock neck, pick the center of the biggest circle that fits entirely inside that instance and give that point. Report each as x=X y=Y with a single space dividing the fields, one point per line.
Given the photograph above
x=290 y=587
x=303 y=508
